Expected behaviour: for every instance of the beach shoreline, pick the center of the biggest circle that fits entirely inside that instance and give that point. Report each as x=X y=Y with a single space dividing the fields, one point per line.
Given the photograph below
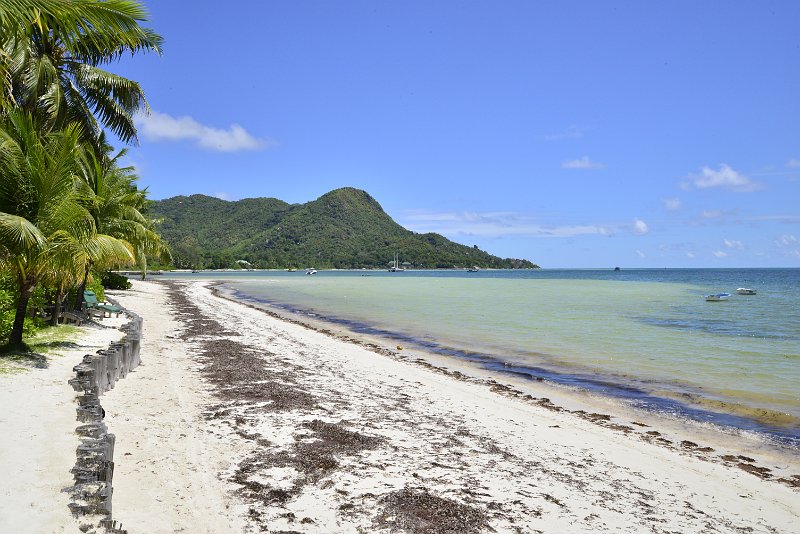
x=676 y=428
x=238 y=420
x=336 y=437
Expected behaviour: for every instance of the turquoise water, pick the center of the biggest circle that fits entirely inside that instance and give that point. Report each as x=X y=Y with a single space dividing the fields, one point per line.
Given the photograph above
x=644 y=334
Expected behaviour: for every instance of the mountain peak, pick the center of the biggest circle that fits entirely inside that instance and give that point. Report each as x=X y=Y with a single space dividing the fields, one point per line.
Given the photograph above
x=344 y=228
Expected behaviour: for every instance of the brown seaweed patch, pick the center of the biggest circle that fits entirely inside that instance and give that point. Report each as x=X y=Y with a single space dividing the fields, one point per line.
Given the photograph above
x=317 y=458
x=341 y=440
x=792 y=482
x=279 y=396
x=227 y=362
x=418 y=511
x=254 y=490
x=762 y=472
x=203 y=327
x=312 y=459
x=622 y=428
x=195 y=323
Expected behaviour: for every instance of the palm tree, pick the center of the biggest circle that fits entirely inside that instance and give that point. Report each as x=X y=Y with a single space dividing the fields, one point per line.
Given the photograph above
x=109 y=192
x=69 y=264
x=43 y=228
x=51 y=63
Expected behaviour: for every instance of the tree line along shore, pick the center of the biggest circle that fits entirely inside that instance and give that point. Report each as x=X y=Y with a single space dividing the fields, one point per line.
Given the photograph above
x=70 y=209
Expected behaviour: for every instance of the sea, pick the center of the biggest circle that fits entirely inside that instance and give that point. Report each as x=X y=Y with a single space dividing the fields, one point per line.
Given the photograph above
x=646 y=336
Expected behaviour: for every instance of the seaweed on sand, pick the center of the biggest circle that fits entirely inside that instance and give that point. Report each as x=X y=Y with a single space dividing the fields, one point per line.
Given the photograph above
x=418 y=511
x=312 y=459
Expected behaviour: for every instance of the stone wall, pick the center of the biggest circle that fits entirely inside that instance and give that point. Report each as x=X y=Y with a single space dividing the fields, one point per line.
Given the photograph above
x=94 y=468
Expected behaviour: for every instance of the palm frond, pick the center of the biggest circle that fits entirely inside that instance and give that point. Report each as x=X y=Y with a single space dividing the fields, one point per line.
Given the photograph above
x=18 y=234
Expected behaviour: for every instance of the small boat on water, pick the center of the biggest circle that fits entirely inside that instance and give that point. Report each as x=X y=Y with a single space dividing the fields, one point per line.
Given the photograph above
x=311 y=271
x=473 y=269
x=745 y=291
x=716 y=297
x=395 y=268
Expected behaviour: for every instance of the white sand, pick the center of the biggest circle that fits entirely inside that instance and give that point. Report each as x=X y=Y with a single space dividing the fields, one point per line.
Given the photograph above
x=525 y=467
x=38 y=440
x=166 y=460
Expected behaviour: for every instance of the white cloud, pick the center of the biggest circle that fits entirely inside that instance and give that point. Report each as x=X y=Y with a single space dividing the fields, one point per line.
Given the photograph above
x=640 y=253
x=725 y=177
x=672 y=204
x=793 y=163
x=711 y=214
x=789 y=245
x=640 y=227
x=582 y=163
x=570 y=132
x=690 y=255
x=163 y=127
x=495 y=224
x=732 y=243
x=720 y=254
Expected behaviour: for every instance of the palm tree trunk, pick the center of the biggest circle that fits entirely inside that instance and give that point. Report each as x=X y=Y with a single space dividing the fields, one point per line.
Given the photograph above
x=57 y=308
x=26 y=286
x=78 y=304
x=143 y=265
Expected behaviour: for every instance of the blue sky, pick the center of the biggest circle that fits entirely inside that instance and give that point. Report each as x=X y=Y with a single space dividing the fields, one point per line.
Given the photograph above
x=574 y=134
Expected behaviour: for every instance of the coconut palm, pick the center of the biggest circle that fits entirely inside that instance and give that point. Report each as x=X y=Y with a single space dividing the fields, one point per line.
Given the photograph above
x=43 y=227
x=69 y=263
x=51 y=63
x=109 y=192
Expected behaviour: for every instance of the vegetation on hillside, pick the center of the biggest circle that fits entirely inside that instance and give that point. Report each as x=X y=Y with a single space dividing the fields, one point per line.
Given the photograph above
x=343 y=229
x=68 y=209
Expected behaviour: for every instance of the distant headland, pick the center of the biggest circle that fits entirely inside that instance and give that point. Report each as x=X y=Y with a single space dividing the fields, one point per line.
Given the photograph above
x=343 y=229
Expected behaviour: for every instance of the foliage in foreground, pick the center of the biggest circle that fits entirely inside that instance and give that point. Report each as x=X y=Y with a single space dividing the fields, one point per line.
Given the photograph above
x=66 y=205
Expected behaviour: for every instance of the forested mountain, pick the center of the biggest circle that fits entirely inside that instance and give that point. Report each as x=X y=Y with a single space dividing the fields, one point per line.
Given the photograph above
x=345 y=228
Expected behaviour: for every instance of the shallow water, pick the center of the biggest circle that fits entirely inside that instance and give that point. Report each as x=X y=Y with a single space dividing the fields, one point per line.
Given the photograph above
x=647 y=335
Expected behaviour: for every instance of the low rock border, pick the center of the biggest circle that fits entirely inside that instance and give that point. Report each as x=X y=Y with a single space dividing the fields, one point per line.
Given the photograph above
x=94 y=467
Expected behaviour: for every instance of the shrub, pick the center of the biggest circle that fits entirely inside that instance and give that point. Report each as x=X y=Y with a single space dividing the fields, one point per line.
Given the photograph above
x=115 y=281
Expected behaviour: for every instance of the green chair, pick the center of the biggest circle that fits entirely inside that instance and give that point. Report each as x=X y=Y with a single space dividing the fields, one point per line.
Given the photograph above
x=93 y=304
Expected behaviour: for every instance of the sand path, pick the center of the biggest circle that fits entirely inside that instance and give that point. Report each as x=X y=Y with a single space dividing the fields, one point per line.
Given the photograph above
x=167 y=461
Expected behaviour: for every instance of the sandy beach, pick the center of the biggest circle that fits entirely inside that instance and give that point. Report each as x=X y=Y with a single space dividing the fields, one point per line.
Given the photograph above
x=240 y=421
x=38 y=439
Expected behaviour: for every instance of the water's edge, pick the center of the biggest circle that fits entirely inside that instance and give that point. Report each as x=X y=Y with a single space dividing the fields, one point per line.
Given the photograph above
x=629 y=393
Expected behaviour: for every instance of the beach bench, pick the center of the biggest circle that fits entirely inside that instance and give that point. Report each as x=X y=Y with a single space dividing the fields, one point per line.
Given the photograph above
x=93 y=305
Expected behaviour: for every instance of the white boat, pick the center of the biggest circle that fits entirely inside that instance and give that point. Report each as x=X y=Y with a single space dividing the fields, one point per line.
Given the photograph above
x=716 y=297
x=395 y=268
x=474 y=269
x=745 y=291
x=311 y=271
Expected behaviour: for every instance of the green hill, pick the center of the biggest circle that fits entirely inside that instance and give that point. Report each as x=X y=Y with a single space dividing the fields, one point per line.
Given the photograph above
x=345 y=228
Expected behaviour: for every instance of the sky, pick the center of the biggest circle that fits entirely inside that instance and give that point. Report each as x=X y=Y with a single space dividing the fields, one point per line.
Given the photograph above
x=572 y=133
